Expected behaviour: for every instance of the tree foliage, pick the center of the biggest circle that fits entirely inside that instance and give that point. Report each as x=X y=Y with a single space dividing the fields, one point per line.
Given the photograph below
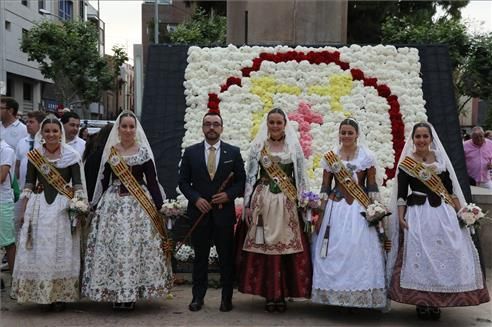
x=366 y=18
x=68 y=54
x=471 y=55
x=201 y=29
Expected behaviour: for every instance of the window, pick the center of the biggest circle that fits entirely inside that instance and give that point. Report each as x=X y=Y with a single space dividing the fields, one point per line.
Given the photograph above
x=24 y=33
x=7 y=25
x=27 y=89
x=82 y=10
x=41 y=4
x=25 y=2
x=10 y=92
x=65 y=9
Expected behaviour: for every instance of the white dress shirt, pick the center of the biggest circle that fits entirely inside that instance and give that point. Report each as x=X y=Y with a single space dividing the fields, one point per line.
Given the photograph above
x=78 y=144
x=13 y=133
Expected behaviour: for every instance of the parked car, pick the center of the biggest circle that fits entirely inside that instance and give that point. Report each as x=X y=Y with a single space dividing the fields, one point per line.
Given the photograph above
x=93 y=126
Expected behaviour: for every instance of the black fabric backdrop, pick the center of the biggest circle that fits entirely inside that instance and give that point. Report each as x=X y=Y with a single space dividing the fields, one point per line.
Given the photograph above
x=164 y=108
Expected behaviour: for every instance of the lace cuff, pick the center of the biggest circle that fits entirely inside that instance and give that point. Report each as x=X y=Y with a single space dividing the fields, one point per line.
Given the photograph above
x=401 y=202
x=26 y=193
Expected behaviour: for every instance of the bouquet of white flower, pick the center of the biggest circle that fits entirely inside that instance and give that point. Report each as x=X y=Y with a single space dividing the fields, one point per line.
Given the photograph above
x=78 y=207
x=375 y=212
x=374 y=215
x=213 y=256
x=469 y=216
x=172 y=209
x=185 y=253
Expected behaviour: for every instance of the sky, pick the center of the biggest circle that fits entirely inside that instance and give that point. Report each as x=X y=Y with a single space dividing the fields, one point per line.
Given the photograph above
x=124 y=26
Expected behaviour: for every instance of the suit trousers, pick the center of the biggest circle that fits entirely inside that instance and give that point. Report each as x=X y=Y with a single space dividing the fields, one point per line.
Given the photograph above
x=204 y=236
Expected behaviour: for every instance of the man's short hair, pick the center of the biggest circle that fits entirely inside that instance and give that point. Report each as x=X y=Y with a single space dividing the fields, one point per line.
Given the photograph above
x=38 y=115
x=477 y=129
x=11 y=104
x=214 y=114
x=67 y=115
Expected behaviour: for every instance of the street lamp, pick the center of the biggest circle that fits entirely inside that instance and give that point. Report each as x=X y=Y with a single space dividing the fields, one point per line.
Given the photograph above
x=43 y=11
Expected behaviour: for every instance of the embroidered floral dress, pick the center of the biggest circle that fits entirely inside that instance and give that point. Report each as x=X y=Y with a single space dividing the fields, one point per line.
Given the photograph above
x=124 y=261
x=281 y=266
x=353 y=272
x=437 y=263
x=50 y=270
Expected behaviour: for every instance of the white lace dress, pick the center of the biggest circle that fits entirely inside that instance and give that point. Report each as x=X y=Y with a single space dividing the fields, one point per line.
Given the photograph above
x=49 y=272
x=124 y=261
x=353 y=272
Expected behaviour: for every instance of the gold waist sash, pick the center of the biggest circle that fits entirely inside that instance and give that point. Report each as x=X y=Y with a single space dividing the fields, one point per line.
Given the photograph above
x=50 y=173
x=278 y=175
x=344 y=177
x=427 y=176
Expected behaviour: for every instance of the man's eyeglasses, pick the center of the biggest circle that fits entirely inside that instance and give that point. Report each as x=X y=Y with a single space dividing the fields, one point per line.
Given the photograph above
x=214 y=125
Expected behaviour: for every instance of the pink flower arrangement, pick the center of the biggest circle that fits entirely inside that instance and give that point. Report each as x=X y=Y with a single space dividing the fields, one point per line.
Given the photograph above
x=304 y=116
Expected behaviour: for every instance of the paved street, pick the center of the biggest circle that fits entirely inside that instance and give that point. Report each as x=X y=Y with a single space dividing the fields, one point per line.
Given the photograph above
x=248 y=311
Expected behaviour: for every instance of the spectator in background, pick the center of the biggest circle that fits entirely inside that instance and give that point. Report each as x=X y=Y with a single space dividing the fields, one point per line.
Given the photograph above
x=26 y=144
x=478 y=156
x=84 y=133
x=11 y=129
x=92 y=157
x=71 y=125
x=488 y=134
x=7 y=231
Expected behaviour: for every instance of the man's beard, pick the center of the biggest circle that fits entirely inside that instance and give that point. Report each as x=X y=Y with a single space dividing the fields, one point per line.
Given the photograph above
x=215 y=136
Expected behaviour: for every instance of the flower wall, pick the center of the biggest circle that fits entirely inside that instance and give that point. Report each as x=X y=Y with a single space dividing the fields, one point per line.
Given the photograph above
x=379 y=86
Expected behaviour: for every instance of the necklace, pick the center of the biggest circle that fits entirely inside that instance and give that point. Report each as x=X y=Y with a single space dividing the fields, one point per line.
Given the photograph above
x=54 y=151
x=277 y=140
x=422 y=156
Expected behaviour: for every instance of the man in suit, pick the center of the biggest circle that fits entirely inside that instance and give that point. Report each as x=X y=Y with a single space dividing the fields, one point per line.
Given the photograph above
x=204 y=168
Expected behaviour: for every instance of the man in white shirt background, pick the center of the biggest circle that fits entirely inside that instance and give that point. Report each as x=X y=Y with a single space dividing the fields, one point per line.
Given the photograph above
x=7 y=230
x=11 y=128
x=26 y=144
x=71 y=124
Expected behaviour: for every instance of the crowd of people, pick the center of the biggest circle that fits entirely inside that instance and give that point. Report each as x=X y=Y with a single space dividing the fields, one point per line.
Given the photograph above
x=420 y=255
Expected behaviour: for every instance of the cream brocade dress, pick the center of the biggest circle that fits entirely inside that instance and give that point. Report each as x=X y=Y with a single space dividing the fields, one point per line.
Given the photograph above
x=281 y=226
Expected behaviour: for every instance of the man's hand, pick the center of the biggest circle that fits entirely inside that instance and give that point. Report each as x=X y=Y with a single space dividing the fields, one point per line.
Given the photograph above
x=203 y=205
x=220 y=198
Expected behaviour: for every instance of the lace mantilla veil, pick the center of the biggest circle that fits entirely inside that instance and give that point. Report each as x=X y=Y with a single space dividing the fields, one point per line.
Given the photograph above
x=114 y=139
x=69 y=155
x=294 y=148
x=442 y=164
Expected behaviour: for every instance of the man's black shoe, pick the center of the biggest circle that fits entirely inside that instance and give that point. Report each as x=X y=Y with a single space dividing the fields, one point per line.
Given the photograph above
x=225 y=305
x=195 y=305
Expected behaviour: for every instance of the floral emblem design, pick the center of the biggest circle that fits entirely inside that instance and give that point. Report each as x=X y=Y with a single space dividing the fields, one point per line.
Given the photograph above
x=114 y=160
x=336 y=167
x=316 y=88
x=45 y=169
x=425 y=174
x=266 y=161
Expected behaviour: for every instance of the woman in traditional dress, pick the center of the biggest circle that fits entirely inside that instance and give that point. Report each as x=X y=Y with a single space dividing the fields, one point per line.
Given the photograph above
x=348 y=258
x=275 y=260
x=47 y=264
x=124 y=259
x=437 y=264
